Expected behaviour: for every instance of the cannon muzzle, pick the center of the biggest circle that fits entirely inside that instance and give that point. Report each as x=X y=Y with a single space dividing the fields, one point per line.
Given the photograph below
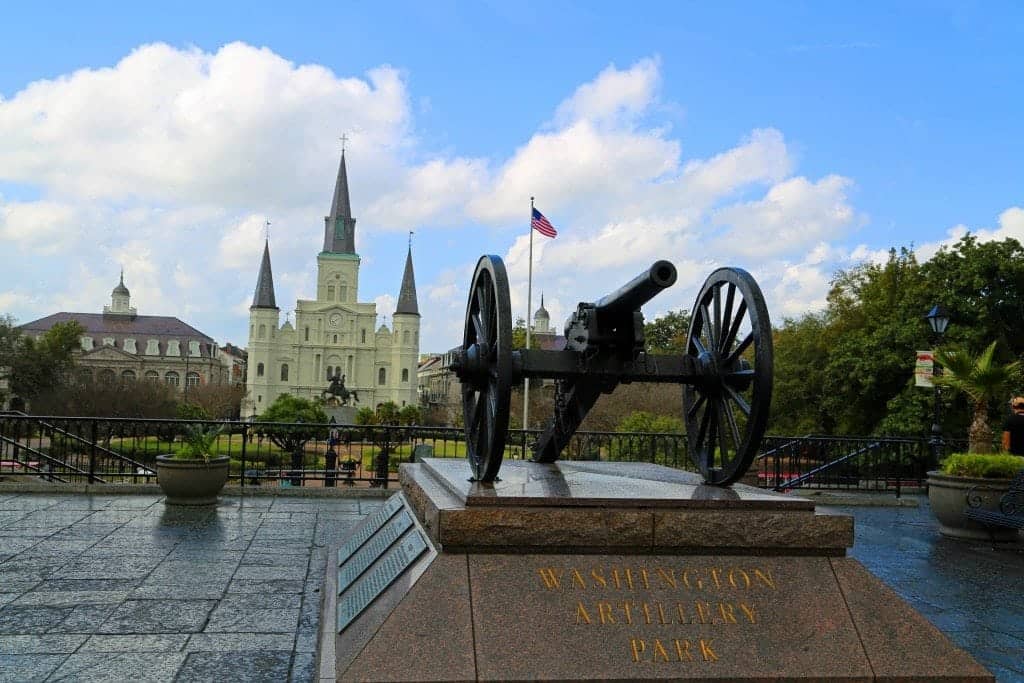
x=638 y=291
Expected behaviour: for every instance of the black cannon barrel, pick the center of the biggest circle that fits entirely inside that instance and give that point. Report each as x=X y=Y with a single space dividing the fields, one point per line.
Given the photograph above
x=638 y=291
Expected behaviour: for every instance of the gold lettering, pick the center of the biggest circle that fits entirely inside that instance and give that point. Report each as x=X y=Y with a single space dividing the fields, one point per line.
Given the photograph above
x=661 y=614
x=598 y=577
x=726 y=610
x=749 y=611
x=551 y=578
x=647 y=612
x=626 y=607
x=683 y=650
x=604 y=611
x=637 y=646
x=644 y=578
x=703 y=609
x=659 y=651
x=581 y=614
x=667 y=577
x=706 y=651
x=686 y=580
x=615 y=577
x=682 y=613
x=714 y=575
x=742 y=574
x=629 y=578
x=765 y=577
x=577 y=579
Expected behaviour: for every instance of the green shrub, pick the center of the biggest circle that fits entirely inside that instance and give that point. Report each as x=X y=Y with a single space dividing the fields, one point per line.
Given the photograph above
x=987 y=466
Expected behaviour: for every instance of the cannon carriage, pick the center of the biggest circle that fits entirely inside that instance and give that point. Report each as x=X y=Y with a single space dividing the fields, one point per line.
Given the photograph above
x=725 y=371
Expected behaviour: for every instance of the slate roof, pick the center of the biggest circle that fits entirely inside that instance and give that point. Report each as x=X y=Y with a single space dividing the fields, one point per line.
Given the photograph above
x=264 y=294
x=407 y=295
x=118 y=325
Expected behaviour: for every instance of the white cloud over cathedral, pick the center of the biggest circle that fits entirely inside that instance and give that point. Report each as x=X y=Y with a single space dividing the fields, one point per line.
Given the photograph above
x=170 y=161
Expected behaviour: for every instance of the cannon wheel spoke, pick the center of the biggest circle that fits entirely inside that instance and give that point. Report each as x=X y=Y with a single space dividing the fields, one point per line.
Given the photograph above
x=726 y=407
x=485 y=400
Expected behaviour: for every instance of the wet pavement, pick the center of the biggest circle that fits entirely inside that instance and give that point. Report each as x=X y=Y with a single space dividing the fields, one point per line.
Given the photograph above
x=120 y=587
x=970 y=591
x=124 y=588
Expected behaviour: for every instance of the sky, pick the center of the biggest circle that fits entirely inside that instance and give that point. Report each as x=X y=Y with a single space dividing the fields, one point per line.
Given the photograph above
x=790 y=139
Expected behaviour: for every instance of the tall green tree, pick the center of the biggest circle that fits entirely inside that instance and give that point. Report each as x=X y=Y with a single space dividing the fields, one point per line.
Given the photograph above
x=306 y=420
x=667 y=334
x=983 y=379
x=34 y=366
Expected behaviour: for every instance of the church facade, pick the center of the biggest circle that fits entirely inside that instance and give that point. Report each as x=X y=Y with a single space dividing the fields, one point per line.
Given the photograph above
x=334 y=335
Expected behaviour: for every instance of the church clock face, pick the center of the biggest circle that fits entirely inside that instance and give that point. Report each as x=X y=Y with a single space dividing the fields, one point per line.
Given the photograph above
x=334 y=320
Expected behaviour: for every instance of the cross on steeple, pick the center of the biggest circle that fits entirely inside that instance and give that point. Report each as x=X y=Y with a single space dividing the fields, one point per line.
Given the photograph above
x=410 y=239
x=266 y=229
x=344 y=139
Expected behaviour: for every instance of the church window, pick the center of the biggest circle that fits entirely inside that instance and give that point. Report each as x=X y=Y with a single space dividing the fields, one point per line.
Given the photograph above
x=108 y=341
x=152 y=347
x=350 y=373
x=259 y=369
x=307 y=333
x=335 y=339
x=344 y=292
x=193 y=349
x=284 y=372
x=172 y=378
x=362 y=337
x=129 y=346
x=330 y=372
x=382 y=376
x=152 y=376
x=259 y=399
x=330 y=292
x=263 y=331
x=86 y=343
x=252 y=331
x=405 y=337
x=173 y=347
x=192 y=379
x=128 y=376
x=405 y=374
x=106 y=376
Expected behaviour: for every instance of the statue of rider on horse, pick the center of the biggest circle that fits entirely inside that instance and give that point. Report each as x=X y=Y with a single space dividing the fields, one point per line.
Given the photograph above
x=338 y=392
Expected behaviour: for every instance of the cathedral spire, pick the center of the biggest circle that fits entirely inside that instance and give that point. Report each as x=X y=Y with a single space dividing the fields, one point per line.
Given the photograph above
x=339 y=226
x=264 y=296
x=407 y=295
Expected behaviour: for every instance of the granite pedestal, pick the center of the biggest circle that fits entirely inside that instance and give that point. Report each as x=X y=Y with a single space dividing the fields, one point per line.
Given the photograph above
x=343 y=415
x=621 y=571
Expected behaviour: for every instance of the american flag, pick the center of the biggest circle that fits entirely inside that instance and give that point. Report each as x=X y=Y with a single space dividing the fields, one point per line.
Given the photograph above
x=542 y=224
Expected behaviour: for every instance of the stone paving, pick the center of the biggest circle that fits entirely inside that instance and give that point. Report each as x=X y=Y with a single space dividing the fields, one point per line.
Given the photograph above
x=123 y=588
x=973 y=593
x=120 y=587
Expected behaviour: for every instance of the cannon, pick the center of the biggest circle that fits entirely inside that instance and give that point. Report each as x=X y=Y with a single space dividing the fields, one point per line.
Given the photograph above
x=725 y=371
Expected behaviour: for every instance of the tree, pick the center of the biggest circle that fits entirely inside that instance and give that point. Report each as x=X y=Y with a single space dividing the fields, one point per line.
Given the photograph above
x=983 y=380
x=641 y=421
x=34 y=366
x=387 y=413
x=667 y=334
x=366 y=416
x=802 y=348
x=410 y=415
x=291 y=409
x=519 y=336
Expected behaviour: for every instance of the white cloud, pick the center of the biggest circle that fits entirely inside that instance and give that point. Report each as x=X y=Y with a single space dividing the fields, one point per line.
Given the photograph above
x=614 y=96
x=43 y=225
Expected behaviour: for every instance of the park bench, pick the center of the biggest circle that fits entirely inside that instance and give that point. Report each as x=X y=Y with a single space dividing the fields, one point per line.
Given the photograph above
x=1010 y=514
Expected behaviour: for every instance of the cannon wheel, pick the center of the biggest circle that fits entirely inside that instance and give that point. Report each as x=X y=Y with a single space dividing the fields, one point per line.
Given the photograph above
x=487 y=390
x=726 y=407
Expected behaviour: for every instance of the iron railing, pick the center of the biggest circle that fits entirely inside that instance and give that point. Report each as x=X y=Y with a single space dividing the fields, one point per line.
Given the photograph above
x=124 y=450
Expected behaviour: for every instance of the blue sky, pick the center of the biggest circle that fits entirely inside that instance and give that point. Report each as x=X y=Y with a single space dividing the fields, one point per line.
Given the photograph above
x=791 y=140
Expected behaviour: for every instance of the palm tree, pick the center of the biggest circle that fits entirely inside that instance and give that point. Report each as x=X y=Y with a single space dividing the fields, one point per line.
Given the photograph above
x=983 y=380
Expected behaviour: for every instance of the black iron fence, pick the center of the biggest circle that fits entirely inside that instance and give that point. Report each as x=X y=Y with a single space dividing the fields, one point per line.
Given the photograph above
x=124 y=451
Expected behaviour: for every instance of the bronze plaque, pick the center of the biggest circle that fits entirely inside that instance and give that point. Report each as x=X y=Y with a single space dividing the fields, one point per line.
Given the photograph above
x=368 y=528
x=373 y=582
x=372 y=549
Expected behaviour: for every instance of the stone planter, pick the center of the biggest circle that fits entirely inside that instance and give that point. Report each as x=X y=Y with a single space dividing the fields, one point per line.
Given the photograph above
x=191 y=482
x=948 y=498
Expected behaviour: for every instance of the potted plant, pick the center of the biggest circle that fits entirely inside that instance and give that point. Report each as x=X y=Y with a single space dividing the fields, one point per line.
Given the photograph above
x=977 y=477
x=975 y=480
x=192 y=475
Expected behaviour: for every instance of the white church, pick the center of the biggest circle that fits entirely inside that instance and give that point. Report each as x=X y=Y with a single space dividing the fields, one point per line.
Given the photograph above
x=333 y=335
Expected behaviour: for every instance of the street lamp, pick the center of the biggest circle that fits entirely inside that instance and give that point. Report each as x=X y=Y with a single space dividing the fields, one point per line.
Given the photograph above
x=938 y=320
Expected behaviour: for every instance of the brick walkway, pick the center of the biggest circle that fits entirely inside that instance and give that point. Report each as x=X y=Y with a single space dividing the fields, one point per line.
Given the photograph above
x=123 y=588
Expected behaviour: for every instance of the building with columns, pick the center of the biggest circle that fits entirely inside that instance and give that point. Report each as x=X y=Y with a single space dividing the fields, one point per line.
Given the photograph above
x=334 y=334
x=119 y=345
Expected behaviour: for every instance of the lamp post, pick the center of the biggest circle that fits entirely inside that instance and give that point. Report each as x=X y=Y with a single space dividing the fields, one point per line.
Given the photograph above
x=938 y=320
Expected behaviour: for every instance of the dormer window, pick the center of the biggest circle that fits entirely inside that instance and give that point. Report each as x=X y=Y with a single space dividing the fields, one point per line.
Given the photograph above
x=173 y=347
x=193 y=349
x=86 y=343
x=152 y=347
x=108 y=341
x=129 y=346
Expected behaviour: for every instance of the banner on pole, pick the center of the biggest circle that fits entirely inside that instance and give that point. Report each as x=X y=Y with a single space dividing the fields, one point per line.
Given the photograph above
x=924 y=368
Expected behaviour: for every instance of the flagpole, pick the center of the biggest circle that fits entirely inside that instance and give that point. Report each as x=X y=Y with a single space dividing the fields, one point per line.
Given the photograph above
x=529 y=305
